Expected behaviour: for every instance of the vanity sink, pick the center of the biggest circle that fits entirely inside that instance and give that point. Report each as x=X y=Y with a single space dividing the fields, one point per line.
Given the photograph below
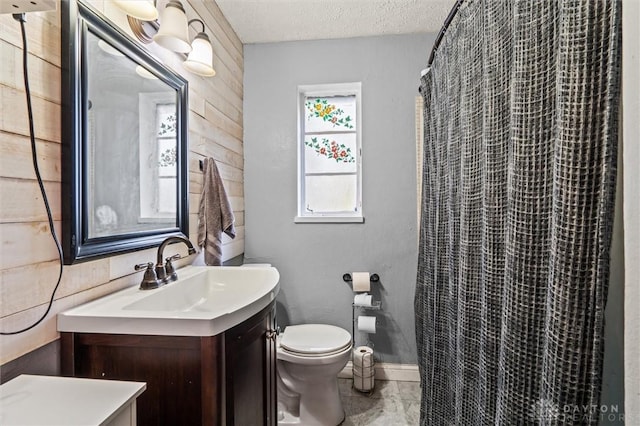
x=204 y=301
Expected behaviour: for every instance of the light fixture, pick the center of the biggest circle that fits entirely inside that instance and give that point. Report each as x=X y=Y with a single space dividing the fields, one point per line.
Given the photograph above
x=140 y=9
x=200 y=59
x=174 y=30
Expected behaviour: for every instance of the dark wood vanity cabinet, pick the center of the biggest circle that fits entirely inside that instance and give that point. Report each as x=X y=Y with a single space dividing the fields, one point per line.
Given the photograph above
x=250 y=368
x=227 y=379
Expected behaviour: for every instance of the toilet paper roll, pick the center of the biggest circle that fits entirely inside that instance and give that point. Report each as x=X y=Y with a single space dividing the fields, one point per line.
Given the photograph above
x=363 y=383
x=364 y=371
x=361 y=281
x=367 y=324
x=362 y=357
x=363 y=368
x=362 y=299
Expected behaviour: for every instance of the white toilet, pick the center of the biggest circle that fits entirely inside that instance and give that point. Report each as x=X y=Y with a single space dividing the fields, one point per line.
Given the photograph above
x=310 y=356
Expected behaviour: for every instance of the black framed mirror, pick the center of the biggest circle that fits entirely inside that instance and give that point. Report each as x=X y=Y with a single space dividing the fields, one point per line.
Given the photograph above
x=124 y=141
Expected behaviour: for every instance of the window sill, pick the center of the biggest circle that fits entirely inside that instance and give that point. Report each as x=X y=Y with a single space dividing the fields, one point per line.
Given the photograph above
x=328 y=219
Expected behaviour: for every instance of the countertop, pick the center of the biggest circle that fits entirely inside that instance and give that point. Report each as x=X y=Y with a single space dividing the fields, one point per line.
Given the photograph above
x=44 y=400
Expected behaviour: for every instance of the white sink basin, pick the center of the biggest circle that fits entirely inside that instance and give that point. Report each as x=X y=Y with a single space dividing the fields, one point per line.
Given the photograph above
x=204 y=301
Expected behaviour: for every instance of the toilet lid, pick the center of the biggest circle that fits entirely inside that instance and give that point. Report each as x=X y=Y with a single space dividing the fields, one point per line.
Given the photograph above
x=314 y=338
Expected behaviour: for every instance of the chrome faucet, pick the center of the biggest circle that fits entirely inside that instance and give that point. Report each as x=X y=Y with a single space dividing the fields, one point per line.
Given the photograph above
x=163 y=272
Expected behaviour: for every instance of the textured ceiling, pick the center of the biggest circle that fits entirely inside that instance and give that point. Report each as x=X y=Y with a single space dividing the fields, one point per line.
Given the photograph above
x=263 y=21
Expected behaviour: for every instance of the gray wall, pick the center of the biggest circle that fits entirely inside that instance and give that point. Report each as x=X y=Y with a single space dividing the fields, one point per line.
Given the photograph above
x=613 y=365
x=631 y=203
x=311 y=258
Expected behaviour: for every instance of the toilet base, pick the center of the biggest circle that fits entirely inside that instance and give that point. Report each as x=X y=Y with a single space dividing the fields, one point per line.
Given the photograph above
x=320 y=407
x=285 y=418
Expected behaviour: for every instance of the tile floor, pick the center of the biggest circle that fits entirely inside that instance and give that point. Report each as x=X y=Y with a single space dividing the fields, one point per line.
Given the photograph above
x=391 y=404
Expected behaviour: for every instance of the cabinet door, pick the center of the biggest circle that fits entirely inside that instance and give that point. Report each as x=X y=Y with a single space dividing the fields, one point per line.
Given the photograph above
x=250 y=372
x=183 y=374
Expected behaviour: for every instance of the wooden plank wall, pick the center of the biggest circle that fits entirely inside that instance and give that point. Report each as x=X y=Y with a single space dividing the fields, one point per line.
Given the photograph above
x=28 y=258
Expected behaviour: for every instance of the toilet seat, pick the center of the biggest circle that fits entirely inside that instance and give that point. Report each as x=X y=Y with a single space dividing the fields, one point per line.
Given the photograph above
x=314 y=340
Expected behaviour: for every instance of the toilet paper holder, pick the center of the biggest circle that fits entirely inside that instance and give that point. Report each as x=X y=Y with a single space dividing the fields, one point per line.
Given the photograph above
x=374 y=278
x=376 y=305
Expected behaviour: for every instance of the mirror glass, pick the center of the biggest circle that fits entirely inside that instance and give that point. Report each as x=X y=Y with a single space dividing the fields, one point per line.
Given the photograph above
x=131 y=138
x=124 y=141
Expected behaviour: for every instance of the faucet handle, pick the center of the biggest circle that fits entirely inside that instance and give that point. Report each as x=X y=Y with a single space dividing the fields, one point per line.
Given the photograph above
x=150 y=279
x=142 y=266
x=170 y=270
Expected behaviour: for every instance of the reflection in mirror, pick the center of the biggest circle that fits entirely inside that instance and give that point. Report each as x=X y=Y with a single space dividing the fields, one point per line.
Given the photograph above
x=131 y=135
x=124 y=126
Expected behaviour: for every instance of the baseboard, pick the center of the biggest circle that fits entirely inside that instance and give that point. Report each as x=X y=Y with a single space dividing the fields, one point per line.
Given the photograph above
x=387 y=371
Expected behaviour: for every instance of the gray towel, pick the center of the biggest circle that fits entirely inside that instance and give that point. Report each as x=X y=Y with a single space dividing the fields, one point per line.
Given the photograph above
x=215 y=215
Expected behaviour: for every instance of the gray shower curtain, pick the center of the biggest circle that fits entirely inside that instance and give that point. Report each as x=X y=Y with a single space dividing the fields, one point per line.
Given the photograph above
x=519 y=179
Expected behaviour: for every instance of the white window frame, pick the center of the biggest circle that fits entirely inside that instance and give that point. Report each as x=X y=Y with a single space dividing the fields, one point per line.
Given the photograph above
x=149 y=179
x=327 y=90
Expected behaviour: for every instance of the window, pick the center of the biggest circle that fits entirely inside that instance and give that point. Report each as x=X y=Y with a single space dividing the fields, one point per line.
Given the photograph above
x=158 y=158
x=329 y=153
x=167 y=160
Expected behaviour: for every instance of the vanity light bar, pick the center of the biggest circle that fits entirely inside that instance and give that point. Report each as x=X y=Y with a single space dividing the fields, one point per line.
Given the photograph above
x=26 y=6
x=173 y=34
